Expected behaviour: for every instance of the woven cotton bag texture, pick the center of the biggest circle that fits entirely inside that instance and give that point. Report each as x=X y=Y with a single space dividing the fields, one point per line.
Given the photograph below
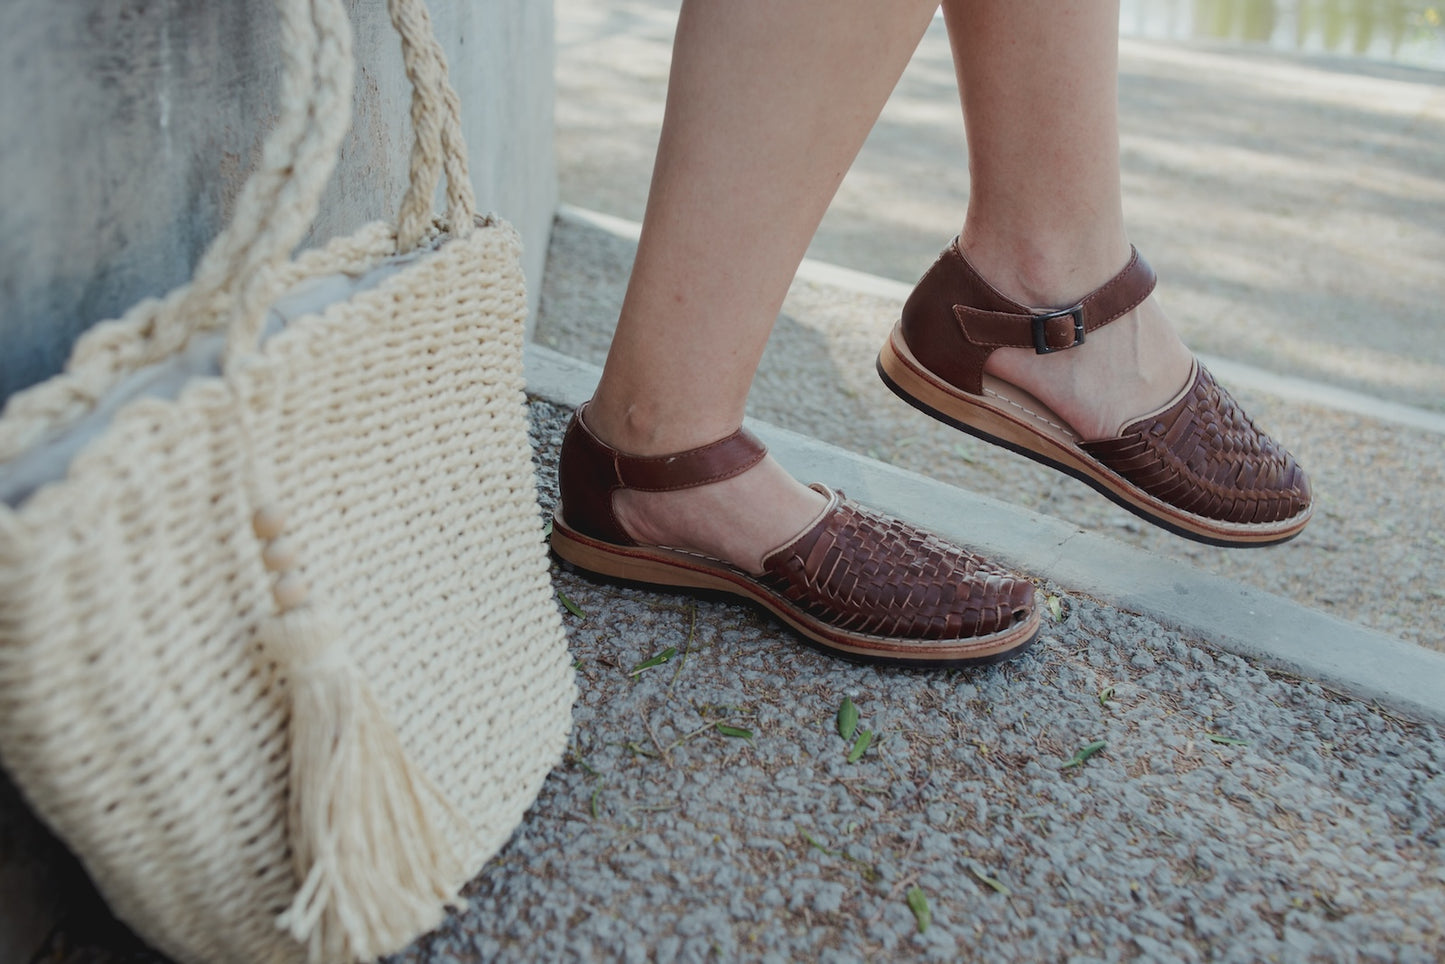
x=279 y=656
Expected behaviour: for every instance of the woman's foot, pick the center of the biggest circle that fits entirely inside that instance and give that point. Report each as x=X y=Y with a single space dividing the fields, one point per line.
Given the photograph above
x=1125 y=370
x=723 y=516
x=1097 y=385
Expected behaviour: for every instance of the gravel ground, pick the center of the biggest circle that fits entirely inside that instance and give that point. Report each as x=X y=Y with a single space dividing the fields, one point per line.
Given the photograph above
x=1365 y=557
x=1232 y=815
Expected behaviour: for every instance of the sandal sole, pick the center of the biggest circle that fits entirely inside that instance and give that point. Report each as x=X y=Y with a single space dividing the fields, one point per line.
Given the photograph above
x=672 y=569
x=1028 y=432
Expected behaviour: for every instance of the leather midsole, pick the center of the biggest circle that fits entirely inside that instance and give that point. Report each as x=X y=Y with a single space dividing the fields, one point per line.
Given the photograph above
x=667 y=567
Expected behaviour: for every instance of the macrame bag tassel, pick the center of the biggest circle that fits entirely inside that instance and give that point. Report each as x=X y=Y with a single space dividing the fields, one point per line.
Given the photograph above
x=375 y=870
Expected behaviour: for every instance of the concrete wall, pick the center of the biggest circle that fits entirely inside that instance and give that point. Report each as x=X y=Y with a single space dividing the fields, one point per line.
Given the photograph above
x=126 y=130
x=128 y=127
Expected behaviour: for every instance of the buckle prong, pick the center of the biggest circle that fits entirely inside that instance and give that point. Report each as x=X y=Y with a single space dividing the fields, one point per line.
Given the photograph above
x=1041 y=337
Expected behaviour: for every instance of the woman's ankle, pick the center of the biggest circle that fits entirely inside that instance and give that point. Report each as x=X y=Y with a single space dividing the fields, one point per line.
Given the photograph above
x=642 y=426
x=1047 y=270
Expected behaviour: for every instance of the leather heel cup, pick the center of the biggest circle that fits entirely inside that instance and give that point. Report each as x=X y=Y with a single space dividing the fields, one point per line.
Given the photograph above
x=931 y=328
x=586 y=479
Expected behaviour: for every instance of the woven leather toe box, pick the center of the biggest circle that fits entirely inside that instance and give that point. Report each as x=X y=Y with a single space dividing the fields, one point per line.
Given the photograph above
x=867 y=573
x=1205 y=456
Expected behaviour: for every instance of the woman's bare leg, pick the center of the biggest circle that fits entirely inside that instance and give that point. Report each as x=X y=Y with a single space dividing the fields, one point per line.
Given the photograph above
x=767 y=106
x=1045 y=220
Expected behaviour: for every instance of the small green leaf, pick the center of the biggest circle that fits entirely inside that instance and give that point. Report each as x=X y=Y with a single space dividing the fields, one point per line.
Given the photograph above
x=918 y=903
x=1083 y=753
x=596 y=792
x=737 y=731
x=1056 y=608
x=1105 y=695
x=1225 y=740
x=847 y=719
x=657 y=660
x=815 y=844
x=865 y=737
x=570 y=606
x=991 y=882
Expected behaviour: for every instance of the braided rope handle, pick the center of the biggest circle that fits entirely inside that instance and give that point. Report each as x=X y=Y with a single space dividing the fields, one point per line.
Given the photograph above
x=436 y=118
x=245 y=267
x=437 y=146
x=280 y=201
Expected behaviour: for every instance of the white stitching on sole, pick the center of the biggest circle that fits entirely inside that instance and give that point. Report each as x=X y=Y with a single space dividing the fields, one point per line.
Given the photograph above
x=1031 y=413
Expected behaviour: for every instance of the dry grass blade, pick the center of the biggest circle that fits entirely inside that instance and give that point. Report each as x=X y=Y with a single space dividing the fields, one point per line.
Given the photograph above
x=652 y=661
x=993 y=883
x=570 y=606
x=847 y=719
x=1083 y=753
x=1225 y=740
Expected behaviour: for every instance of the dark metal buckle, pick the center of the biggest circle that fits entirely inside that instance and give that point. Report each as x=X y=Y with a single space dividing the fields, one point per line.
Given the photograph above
x=1041 y=339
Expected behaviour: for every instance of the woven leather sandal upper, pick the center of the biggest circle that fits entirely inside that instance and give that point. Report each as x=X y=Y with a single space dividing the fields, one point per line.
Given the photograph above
x=869 y=573
x=1204 y=455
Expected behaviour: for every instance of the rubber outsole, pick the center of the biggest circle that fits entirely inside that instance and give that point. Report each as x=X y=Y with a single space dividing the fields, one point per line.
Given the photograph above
x=910 y=381
x=671 y=569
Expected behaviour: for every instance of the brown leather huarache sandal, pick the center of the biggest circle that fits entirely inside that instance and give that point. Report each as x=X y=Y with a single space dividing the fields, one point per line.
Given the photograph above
x=1196 y=466
x=859 y=584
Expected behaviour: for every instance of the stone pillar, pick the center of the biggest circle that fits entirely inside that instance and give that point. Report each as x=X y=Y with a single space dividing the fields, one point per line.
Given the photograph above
x=128 y=128
x=130 y=125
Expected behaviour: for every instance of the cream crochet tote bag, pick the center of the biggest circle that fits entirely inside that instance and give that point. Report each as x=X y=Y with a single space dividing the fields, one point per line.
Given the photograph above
x=251 y=769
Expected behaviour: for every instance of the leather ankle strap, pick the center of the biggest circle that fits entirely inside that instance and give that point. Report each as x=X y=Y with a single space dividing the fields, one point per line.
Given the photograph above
x=714 y=462
x=956 y=319
x=590 y=471
x=1049 y=330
